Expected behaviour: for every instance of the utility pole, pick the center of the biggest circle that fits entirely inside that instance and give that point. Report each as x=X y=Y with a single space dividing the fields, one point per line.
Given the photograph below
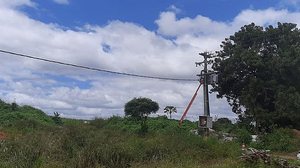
x=205 y=121
x=205 y=85
x=206 y=78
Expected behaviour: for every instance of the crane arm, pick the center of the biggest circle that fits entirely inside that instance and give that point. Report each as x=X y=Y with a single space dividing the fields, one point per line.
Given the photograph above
x=189 y=105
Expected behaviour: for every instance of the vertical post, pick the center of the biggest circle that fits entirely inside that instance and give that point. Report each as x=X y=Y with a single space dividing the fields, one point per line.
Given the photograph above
x=204 y=75
x=205 y=86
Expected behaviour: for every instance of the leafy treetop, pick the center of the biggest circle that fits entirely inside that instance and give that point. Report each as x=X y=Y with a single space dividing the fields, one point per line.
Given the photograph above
x=170 y=110
x=140 y=107
x=259 y=74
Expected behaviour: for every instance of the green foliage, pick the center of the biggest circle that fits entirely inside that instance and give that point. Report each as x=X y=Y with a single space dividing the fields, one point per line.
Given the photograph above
x=223 y=125
x=98 y=122
x=155 y=125
x=144 y=127
x=279 y=140
x=57 y=120
x=243 y=136
x=93 y=145
x=140 y=107
x=23 y=117
x=170 y=110
x=35 y=141
x=14 y=106
x=259 y=74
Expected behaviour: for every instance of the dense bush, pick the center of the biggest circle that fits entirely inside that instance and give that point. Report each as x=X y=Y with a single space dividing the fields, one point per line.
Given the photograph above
x=22 y=114
x=243 y=136
x=223 y=125
x=278 y=140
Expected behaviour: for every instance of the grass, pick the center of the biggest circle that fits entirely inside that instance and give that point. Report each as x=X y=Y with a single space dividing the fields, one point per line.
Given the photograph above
x=86 y=146
x=33 y=140
x=22 y=115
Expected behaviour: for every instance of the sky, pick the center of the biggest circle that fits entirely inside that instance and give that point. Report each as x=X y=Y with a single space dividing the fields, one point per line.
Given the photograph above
x=145 y=37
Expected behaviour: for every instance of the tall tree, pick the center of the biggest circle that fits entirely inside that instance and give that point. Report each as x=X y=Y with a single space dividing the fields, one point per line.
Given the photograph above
x=170 y=110
x=140 y=108
x=259 y=74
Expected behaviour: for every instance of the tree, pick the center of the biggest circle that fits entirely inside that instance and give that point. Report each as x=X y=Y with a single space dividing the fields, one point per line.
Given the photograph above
x=259 y=74
x=170 y=110
x=14 y=105
x=223 y=124
x=140 y=108
x=57 y=120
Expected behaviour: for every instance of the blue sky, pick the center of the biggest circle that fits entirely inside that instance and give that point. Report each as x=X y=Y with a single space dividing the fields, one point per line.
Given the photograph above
x=143 y=12
x=157 y=38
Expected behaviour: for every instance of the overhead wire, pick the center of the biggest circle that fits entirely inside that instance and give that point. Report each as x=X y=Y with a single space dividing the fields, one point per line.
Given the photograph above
x=116 y=72
x=93 y=68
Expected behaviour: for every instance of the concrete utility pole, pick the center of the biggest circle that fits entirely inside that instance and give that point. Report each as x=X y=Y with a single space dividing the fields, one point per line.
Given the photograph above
x=205 y=86
x=205 y=121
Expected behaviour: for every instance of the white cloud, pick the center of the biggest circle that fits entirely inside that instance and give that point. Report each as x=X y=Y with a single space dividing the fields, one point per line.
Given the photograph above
x=132 y=48
x=200 y=25
x=62 y=2
x=206 y=34
x=266 y=17
x=16 y=3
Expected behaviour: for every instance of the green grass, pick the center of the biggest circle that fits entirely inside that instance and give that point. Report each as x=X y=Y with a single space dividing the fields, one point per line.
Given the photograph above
x=87 y=146
x=9 y=117
x=33 y=140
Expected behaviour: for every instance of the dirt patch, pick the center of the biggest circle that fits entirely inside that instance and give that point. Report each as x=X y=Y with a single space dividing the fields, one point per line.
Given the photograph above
x=2 y=135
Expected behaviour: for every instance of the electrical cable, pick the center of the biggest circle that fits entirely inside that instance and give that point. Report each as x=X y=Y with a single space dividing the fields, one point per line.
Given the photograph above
x=94 y=69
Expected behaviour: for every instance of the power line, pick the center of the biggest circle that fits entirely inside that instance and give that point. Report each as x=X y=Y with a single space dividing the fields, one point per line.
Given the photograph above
x=94 y=69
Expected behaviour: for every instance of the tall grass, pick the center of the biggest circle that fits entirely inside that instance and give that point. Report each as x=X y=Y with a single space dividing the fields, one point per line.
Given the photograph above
x=99 y=145
x=33 y=140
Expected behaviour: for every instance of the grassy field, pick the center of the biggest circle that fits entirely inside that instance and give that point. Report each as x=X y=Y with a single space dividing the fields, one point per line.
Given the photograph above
x=31 y=139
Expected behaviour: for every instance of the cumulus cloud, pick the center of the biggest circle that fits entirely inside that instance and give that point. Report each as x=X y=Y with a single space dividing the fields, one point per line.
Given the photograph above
x=132 y=48
x=206 y=34
x=200 y=25
x=266 y=17
x=118 y=46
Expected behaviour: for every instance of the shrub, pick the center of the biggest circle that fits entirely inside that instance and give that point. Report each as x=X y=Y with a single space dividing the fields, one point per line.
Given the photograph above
x=223 y=124
x=278 y=140
x=57 y=120
x=243 y=136
x=98 y=122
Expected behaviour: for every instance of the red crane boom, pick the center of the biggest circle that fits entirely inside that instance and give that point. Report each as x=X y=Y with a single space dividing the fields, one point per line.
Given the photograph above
x=189 y=105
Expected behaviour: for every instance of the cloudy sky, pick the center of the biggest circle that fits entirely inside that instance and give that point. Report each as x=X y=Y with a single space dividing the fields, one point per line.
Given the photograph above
x=143 y=37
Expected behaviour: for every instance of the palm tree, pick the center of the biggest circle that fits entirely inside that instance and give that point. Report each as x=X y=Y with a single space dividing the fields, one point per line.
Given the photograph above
x=170 y=110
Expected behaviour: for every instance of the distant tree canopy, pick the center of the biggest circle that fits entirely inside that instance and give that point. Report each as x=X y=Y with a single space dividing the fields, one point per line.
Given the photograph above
x=170 y=110
x=223 y=121
x=140 y=107
x=223 y=124
x=259 y=74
